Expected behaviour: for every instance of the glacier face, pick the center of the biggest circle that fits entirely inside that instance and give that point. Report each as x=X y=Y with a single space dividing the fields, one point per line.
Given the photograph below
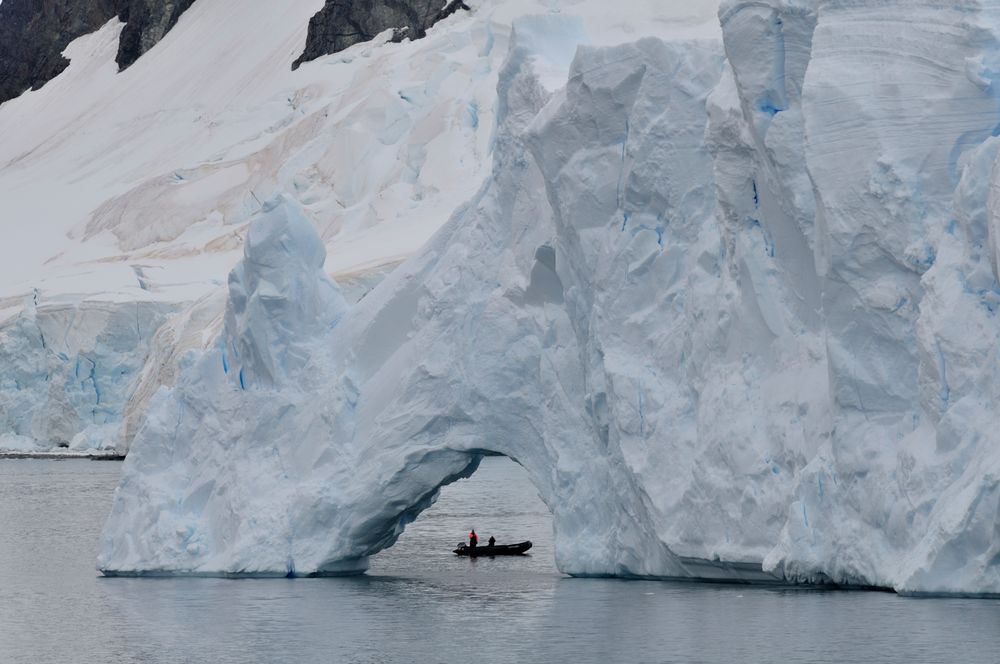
x=68 y=370
x=733 y=307
x=908 y=297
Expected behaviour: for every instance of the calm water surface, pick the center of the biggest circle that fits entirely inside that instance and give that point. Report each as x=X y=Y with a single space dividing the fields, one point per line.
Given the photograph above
x=420 y=603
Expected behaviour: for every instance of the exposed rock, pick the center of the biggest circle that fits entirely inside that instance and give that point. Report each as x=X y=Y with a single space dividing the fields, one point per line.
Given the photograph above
x=343 y=23
x=34 y=33
x=146 y=23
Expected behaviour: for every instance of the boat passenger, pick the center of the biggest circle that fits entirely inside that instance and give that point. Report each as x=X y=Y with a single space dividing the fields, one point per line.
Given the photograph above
x=492 y=540
x=473 y=538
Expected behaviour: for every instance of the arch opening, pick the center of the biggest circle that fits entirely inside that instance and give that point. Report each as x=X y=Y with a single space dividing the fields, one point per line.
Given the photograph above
x=495 y=495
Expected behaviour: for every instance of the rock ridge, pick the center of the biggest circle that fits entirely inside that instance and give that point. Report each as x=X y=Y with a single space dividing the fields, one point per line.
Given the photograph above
x=344 y=23
x=34 y=34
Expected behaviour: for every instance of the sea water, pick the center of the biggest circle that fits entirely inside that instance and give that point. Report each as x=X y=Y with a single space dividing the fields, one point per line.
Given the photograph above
x=421 y=603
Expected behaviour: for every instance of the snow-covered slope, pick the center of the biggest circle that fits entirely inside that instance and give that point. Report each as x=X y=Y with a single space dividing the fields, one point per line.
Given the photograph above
x=733 y=307
x=136 y=187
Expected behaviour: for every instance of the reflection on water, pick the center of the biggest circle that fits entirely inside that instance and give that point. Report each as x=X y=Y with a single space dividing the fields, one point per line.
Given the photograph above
x=420 y=603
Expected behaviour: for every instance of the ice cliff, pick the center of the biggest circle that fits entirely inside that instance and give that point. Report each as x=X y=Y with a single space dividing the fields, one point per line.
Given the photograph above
x=732 y=306
x=68 y=371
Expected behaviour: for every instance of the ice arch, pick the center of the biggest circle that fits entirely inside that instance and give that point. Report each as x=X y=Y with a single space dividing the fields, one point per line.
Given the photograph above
x=314 y=433
x=625 y=309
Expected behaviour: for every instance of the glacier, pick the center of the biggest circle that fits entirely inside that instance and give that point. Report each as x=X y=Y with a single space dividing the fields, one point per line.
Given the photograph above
x=731 y=304
x=134 y=188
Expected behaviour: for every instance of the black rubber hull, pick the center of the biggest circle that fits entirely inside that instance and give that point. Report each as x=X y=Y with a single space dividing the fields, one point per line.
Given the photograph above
x=496 y=550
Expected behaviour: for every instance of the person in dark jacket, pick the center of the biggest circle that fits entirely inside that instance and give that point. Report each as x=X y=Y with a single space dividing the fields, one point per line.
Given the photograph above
x=491 y=541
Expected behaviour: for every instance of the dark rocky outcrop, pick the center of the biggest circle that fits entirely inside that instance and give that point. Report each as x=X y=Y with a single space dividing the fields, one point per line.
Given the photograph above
x=33 y=34
x=146 y=22
x=343 y=23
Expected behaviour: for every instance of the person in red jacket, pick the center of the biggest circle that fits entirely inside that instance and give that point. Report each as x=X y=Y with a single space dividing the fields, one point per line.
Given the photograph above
x=473 y=538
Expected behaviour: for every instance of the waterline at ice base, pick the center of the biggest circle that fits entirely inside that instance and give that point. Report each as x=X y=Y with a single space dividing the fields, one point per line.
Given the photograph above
x=733 y=305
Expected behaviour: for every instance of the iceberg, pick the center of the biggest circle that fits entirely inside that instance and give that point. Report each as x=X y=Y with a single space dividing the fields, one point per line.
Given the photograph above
x=733 y=307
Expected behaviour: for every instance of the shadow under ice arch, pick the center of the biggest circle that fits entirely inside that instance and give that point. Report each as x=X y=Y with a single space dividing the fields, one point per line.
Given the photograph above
x=387 y=525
